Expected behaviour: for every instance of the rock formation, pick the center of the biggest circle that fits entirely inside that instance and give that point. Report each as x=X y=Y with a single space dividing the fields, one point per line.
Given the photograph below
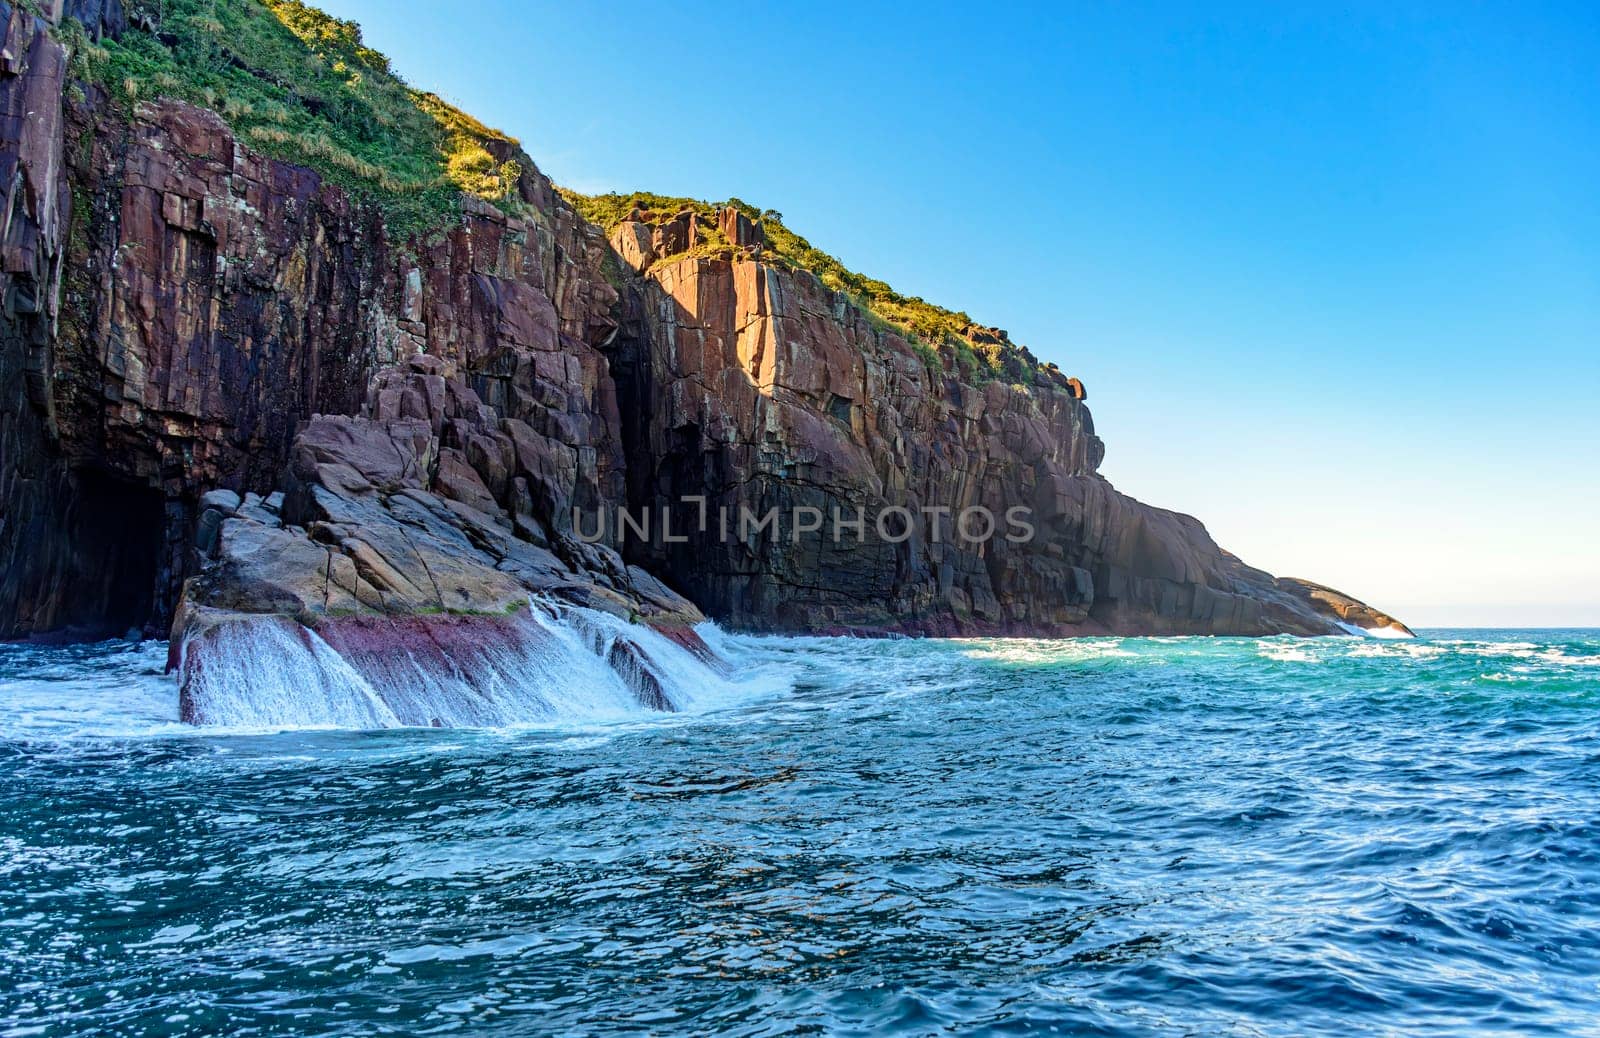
x=227 y=391
x=757 y=388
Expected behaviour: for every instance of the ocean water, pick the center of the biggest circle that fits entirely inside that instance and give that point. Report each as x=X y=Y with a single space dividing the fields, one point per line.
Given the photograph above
x=1101 y=836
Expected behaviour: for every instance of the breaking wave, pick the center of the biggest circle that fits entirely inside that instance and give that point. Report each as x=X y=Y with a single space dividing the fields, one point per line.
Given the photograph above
x=1382 y=633
x=556 y=664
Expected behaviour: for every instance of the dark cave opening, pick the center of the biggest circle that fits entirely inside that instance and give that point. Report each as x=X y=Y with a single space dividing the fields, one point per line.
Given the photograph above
x=115 y=544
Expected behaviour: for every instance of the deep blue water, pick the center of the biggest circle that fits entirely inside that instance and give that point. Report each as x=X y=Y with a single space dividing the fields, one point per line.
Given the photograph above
x=1105 y=836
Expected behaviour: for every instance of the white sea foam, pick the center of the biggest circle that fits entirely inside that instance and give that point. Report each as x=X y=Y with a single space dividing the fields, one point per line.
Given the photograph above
x=560 y=674
x=557 y=665
x=555 y=669
x=1389 y=649
x=1287 y=652
x=109 y=689
x=1376 y=632
x=1034 y=651
x=268 y=675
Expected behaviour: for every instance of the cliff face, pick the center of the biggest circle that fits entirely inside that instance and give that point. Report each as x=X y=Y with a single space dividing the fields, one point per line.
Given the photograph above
x=208 y=301
x=758 y=388
x=67 y=562
x=183 y=315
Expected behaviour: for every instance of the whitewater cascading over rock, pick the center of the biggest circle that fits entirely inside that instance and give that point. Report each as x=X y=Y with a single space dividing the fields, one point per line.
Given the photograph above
x=546 y=662
x=228 y=397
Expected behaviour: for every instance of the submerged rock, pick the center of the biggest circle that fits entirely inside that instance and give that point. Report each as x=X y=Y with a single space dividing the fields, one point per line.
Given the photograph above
x=627 y=661
x=527 y=666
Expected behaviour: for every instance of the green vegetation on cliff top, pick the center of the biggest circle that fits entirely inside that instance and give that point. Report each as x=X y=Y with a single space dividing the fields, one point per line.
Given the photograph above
x=302 y=86
x=979 y=352
x=299 y=85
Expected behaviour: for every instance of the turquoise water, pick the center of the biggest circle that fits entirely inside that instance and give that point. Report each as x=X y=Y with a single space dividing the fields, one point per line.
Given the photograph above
x=1104 y=836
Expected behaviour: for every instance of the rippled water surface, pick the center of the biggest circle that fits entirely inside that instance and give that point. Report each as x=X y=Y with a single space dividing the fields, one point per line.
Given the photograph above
x=1106 y=836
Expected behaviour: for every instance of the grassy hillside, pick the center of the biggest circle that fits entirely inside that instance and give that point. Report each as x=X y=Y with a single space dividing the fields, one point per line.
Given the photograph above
x=300 y=85
x=980 y=352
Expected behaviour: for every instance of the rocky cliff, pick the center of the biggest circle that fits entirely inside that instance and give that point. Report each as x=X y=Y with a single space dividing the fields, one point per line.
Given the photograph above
x=756 y=388
x=405 y=426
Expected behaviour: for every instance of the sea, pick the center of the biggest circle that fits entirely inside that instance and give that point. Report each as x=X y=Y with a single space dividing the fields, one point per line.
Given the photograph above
x=1097 y=836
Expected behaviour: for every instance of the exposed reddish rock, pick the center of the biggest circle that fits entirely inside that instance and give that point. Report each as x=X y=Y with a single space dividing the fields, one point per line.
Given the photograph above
x=758 y=388
x=626 y=659
x=214 y=300
x=678 y=234
x=415 y=579
x=634 y=242
x=738 y=228
x=78 y=550
x=368 y=526
x=1342 y=607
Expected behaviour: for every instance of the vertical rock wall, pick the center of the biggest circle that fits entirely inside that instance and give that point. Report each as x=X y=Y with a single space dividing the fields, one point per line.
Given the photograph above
x=758 y=388
x=177 y=306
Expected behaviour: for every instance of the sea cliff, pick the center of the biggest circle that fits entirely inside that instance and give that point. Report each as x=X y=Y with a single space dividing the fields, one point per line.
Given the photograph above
x=237 y=385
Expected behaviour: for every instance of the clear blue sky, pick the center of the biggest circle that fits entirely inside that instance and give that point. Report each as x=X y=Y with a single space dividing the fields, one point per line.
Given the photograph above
x=1332 y=277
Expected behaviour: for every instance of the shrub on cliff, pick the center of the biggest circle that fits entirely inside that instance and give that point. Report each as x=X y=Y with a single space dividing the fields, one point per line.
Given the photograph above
x=302 y=86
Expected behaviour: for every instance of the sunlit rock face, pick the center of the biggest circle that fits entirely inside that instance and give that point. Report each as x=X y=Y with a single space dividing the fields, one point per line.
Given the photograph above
x=757 y=388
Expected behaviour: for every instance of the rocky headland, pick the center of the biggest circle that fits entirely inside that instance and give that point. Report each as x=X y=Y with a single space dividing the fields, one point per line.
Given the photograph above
x=252 y=375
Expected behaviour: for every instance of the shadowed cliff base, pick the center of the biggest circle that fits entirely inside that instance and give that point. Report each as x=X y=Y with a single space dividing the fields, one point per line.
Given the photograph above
x=401 y=414
x=92 y=563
